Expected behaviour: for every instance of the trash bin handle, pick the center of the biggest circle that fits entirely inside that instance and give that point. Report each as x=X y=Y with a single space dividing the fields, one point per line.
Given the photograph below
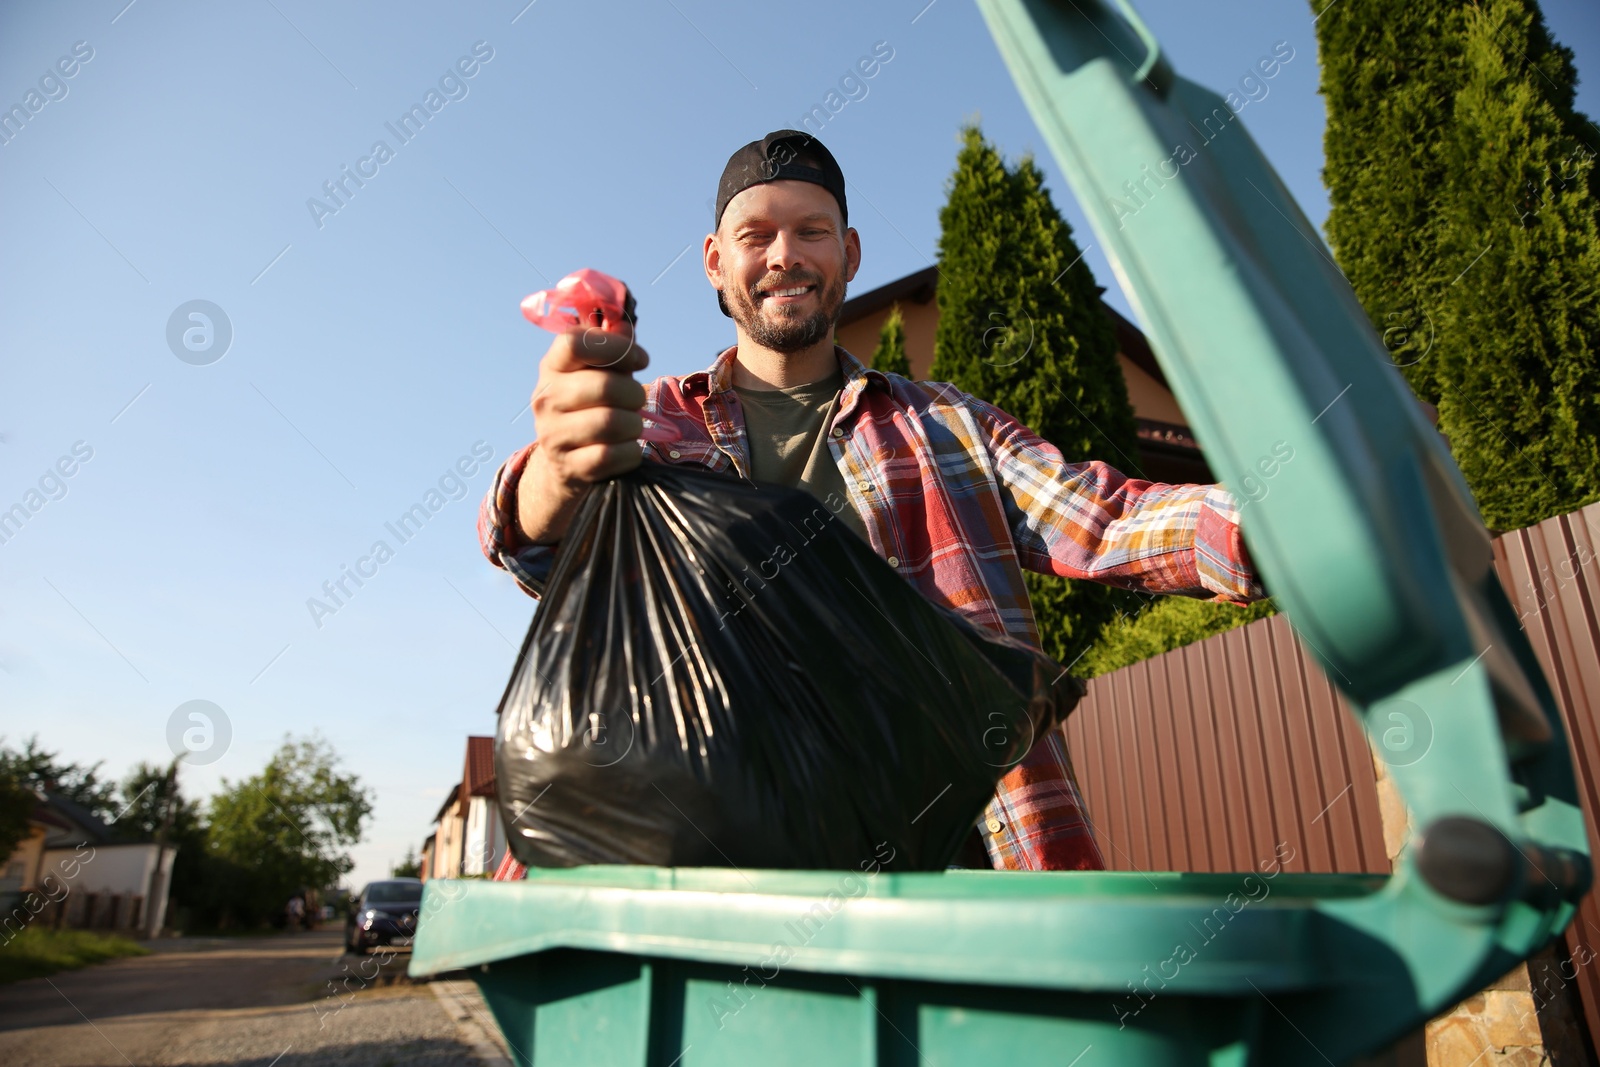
x=1155 y=70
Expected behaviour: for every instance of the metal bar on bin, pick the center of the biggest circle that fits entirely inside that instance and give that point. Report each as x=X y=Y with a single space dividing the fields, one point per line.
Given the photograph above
x=1371 y=542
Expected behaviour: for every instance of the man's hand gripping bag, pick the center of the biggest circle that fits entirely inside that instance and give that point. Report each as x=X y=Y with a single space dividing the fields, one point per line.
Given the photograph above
x=723 y=674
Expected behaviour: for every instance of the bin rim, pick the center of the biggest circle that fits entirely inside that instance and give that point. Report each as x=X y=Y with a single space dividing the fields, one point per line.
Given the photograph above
x=1082 y=931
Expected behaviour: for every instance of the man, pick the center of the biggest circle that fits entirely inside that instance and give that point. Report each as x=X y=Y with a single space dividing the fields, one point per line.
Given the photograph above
x=949 y=490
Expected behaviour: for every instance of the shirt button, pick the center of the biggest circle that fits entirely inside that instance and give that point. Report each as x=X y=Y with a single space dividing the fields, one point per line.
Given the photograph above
x=994 y=824
x=894 y=561
x=838 y=431
x=675 y=454
x=865 y=487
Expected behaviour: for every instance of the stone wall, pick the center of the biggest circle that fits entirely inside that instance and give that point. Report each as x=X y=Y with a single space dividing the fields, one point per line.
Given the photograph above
x=1505 y=1025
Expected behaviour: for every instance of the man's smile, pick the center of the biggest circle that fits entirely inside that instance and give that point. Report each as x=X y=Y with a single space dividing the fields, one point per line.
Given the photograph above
x=790 y=295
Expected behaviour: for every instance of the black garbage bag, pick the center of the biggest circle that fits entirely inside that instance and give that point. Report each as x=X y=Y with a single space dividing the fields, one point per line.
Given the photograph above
x=724 y=674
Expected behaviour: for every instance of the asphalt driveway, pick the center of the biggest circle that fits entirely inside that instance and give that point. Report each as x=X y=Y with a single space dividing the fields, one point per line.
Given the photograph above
x=288 y=1001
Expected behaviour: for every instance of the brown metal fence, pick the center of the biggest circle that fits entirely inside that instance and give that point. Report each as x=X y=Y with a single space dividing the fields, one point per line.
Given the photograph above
x=1550 y=574
x=1209 y=757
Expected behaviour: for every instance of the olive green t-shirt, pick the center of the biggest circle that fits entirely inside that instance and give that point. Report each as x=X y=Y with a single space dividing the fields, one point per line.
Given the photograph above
x=787 y=434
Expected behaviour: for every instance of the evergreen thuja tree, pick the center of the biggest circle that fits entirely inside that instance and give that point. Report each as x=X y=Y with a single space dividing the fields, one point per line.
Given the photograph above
x=1021 y=326
x=1385 y=82
x=1520 y=389
x=1466 y=212
x=890 y=355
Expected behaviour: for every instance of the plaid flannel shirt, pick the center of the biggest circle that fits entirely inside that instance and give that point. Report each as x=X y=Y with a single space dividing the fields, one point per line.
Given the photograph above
x=959 y=497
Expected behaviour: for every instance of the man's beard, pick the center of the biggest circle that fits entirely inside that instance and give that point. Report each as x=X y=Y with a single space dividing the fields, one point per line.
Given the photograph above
x=791 y=332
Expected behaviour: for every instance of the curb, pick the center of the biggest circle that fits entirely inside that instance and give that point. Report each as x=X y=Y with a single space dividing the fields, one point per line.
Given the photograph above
x=464 y=1004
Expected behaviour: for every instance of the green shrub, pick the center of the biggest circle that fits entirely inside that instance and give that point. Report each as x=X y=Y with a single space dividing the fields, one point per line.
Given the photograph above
x=1168 y=623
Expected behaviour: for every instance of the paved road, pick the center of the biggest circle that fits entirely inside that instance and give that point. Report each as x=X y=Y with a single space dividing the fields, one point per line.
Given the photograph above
x=287 y=1001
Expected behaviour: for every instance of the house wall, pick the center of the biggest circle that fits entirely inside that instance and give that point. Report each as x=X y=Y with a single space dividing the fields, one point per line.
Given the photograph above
x=496 y=835
x=485 y=844
x=103 y=868
x=922 y=321
x=23 y=867
x=447 y=846
x=472 y=859
x=106 y=886
x=1149 y=398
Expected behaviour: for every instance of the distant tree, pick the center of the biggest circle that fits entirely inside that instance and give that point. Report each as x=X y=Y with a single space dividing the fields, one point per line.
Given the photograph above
x=1465 y=209
x=33 y=766
x=890 y=355
x=200 y=882
x=1021 y=326
x=410 y=867
x=17 y=802
x=284 y=829
x=145 y=794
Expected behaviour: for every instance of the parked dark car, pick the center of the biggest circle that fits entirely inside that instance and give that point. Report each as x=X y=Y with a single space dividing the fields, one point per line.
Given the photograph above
x=384 y=914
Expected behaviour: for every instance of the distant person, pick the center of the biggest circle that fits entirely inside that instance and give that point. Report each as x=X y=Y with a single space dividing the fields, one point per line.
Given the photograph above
x=954 y=493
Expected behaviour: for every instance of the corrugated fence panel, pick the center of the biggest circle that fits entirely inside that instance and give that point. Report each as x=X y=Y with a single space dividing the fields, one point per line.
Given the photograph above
x=1550 y=574
x=1211 y=756
x=1208 y=757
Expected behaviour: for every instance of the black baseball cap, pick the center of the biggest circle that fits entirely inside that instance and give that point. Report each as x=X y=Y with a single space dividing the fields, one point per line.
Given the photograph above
x=783 y=154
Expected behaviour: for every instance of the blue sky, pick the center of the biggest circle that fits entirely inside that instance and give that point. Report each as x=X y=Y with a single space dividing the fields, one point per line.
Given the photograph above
x=374 y=349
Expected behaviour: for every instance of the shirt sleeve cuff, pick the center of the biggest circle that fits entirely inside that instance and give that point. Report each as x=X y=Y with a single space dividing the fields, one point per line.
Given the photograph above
x=501 y=538
x=1220 y=554
x=530 y=566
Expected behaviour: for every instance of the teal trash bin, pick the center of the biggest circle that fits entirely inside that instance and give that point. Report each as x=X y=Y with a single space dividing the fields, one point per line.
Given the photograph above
x=1372 y=545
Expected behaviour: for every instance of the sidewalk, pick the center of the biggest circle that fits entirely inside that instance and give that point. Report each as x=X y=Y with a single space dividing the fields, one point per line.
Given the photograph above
x=290 y=1001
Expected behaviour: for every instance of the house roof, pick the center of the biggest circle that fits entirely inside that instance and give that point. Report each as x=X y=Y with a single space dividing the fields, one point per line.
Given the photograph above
x=450 y=798
x=1167 y=451
x=1131 y=342
x=69 y=819
x=919 y=287
x=479 y=779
